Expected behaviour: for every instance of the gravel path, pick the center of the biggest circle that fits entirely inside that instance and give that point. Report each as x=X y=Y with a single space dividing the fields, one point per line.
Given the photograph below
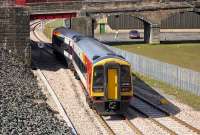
x=23 y=107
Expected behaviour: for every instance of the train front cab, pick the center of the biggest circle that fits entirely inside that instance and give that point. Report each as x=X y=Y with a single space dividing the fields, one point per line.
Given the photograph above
x=111 y=86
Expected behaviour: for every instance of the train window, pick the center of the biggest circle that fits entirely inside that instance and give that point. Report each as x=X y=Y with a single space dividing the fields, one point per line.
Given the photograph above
x=98 y=77
x=125 y=76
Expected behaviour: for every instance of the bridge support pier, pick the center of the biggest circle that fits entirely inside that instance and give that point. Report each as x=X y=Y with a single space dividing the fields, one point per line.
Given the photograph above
x=14 y=32
x=151 y=33
x=83 y=24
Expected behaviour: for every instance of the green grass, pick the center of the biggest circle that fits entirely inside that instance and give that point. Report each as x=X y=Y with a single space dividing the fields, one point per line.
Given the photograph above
x=180 y=95
x=184 y=55
x=49 y=27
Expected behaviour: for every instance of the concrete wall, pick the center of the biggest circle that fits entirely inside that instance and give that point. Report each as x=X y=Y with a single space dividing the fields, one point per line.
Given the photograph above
x=83 y=25
x=14 y=31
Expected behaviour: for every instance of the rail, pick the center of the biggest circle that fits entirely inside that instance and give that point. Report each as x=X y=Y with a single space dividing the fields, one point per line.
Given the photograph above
x=167 y=113
x=51 y=91
x=56 y=100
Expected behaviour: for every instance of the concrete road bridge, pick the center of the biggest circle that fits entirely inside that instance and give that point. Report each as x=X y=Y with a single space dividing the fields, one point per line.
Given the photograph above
x=84 y=13
x=150 y=12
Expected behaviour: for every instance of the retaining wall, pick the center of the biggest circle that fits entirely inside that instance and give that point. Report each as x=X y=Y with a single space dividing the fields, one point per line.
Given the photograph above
x=14 y=31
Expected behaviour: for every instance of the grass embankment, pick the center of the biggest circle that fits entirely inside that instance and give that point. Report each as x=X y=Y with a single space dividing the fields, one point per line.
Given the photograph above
x=180 y=95
x=49 y=27
x=184 y=55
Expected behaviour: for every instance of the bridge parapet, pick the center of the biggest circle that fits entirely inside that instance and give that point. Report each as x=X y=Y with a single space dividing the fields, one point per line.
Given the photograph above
x=24 y=2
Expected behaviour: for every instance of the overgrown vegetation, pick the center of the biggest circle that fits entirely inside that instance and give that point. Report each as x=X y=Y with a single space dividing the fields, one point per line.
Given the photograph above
x=49 y=27
x=180 y=95
x=184 y=55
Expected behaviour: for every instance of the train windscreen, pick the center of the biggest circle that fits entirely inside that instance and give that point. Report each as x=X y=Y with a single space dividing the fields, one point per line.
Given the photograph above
x=125 y=78
x=98 y=78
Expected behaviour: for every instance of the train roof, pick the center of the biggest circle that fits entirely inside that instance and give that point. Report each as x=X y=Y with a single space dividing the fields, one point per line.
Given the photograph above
x=90 y=46
x=67 y=32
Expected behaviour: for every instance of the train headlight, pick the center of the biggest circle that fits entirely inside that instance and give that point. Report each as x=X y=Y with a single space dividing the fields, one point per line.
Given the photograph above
x=97 y=89
x=126 y=89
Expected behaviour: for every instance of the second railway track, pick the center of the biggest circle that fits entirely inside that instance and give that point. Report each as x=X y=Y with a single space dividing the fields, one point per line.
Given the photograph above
x=164 y=116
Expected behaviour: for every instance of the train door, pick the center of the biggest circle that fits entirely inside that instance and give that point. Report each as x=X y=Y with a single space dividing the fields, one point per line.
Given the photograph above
x=112 y=84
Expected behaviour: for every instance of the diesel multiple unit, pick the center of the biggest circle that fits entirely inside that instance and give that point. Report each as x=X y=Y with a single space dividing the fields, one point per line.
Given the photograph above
x=105 y=75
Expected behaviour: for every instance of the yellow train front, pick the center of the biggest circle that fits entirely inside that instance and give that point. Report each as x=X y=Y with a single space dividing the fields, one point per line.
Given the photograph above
x=105 y=75
x=111 y=88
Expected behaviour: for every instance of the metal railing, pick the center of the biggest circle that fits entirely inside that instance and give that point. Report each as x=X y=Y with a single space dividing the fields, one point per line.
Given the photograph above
x=173 y=75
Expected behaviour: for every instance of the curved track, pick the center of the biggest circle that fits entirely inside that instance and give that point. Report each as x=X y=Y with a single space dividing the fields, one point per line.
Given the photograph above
x=50 y=89
x=58 y=103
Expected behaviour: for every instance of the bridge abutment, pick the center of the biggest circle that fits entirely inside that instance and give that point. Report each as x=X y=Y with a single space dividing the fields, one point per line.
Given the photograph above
x=83 y=24
x=14 y=32
x=151 y=33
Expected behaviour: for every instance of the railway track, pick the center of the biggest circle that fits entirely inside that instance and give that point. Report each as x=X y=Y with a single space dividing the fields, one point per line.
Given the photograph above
x=54 y=95
x=132 y=126
x=100 y=118
x=115 y=127
x=105 y=125
x=112 y=126
x=34 y=25
x=49 y=88
x=110 y=130
x=47 y=50
x=153 y=120
x=162 y=113
x=120 y=125
x=58 y=103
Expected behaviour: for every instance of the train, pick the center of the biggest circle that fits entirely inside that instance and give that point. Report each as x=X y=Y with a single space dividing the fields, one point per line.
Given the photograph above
x=105 y=75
